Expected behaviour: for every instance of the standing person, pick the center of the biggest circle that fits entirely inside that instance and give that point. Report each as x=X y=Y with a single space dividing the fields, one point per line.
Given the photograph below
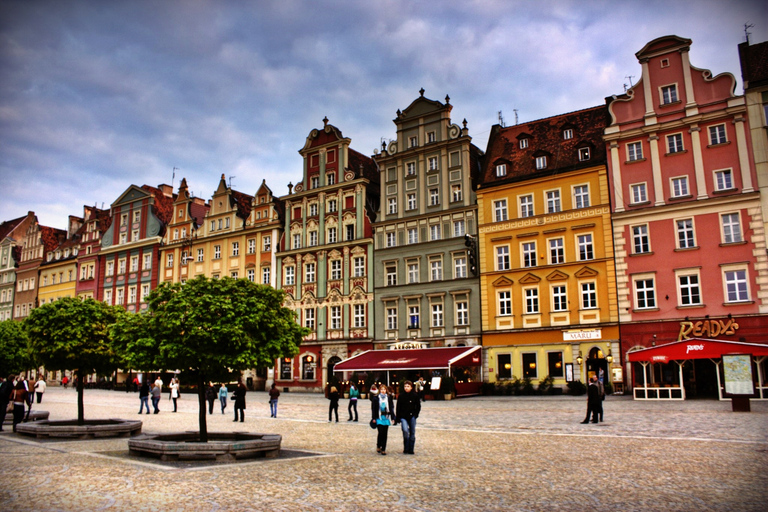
x=408 y=409
x=382 y=410
x=40 y=389
x=29 y=397
x=354 y=394
x=274 y=393
x=239 y=398
x=223 y=391
x=210 y=395
x=65 y=381
x=144 y=397
x=174 y=392
x=373 y=392
x=19 y=398
x=333 y=396
x=135 y=383
x=601 y=393
x=593 y=397
x=156 y=394
x=6 y=389
x=159 y=383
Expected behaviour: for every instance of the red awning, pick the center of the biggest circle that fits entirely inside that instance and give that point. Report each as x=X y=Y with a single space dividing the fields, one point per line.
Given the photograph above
x=414 y=359
x=696 y=348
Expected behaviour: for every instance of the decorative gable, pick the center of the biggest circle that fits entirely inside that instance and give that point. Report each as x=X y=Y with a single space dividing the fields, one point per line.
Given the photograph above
x=586 y=272
x=502 y=282
x=529 y=279
x=557 y=275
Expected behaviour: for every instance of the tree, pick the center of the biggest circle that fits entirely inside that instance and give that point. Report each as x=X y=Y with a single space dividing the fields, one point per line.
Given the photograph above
x=14 y=347
x=75 y=334
x=207 y=328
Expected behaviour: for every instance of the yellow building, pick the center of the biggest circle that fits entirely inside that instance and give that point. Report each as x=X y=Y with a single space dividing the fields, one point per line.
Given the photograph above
x=58 y=271
x=545 y=251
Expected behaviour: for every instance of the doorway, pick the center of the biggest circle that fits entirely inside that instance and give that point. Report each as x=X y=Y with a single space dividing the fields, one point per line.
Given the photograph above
x=700 y=379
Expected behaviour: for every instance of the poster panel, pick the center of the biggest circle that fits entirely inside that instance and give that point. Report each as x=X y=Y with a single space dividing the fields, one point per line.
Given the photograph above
x=737 y=370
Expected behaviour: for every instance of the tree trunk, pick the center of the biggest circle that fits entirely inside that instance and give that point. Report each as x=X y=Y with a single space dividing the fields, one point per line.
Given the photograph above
x=80 y=409
x=201 y=404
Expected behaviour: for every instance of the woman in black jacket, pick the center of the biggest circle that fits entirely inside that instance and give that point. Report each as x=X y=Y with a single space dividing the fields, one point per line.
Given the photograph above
x=239 y=399
x=333 y=407
x=383 y=413
x=408 y=409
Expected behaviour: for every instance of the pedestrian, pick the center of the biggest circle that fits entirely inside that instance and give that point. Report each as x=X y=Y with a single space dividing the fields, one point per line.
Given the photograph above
x=135 y=383
x=239 y=397
x=159 y=383
x=6 y=389
x=354 y=394
x=174 y=386
x=593 y=396
x=19 y=398
x=223 y=391
x=333 y=407
x=40 y=389
x=408 y=409
x=64 y=381
x=373 y=392
x=210 y=395
x=420 y=387
x=383 y=413
x=156 y=394
x=274 y=393
x=601 y=392
x=29 y=397
x=144 y=397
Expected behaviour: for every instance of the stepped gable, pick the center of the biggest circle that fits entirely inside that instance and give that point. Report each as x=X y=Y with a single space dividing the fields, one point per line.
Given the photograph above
x=545 y=138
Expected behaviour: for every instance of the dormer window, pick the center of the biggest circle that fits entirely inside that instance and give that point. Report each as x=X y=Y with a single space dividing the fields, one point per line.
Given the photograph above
x=523 y=143
x=501 y=170
x=50 y=256
x=584 y=154
x=567 y=134
x=541 y=162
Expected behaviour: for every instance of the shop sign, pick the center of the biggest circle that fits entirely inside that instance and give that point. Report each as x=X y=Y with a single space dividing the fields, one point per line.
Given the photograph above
x=582 y=335
x=402 y=360
x=408 y=345
x=707 y=329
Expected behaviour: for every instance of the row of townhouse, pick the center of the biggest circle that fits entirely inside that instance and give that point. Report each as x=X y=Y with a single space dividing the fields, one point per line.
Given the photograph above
x=567 y=243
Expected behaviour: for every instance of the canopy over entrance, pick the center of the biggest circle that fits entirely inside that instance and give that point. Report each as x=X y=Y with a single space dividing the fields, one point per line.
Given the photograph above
x=414 y=359
x=696 y=348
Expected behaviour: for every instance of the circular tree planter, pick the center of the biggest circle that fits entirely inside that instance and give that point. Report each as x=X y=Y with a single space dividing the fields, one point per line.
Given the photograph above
x=90 y=429
x=221 y=446
x=33 y=416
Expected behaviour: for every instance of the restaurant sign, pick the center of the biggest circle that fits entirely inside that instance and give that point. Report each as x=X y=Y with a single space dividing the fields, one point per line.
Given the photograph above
x=707 y=329
x=582 y=334
x=408 y=345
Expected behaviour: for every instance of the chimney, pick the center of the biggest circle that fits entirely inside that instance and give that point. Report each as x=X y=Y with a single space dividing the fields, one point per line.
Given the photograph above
x=290 y=188
x=167 y=190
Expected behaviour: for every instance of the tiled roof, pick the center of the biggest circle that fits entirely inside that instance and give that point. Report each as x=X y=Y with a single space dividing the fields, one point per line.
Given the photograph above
x=51 y=237
x=9 y=225
x=754 y=64
x=546 y=138
x=369 y=167
x=198 y=211
x=163 y=205
x=243 y=202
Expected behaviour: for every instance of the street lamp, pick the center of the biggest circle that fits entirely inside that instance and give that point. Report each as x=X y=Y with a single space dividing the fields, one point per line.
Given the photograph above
x=579 y=359
x=609 y=358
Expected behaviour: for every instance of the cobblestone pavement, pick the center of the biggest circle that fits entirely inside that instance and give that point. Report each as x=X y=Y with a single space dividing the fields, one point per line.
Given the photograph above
x=483 y=453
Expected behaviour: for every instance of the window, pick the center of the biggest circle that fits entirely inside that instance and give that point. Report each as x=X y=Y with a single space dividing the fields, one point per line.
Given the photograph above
x=640 y=241
x=431 y=137
x=391 y=240
x=251 y=275
x=531 y=300
x=437 y=315
x=685 y=239
x=213 y=225
x=505 y=303
x=146 y=264
x=391 y=319
x=335 y=317
x=359 y=266
x=315 y=182
x=359 y=315
x=413 y=142
x=200 y=255
x=290 y=275
x=680 y=186
x=675 y=143
x=556 y=251
x=432 y=163
x=135 y=263
x=413 y=273
x=313 y=210
x=266 y=275
x=645 y=297
x=502 y=257
x=731 y=228
x=690 y=295
x=553 y=201
x=330 y=178
x=634 y=151
x=526 y=206
x=723 y=180
x=410 y=169
x=175 y=234
x=123 y=238
x=555 y=364
x=309 y=273
x=411 y=198
x=504 y=366
x=108 y=297
x=588 y=296
x=436 y=269
x=462 y=313
x=736 y=285
x=392 y=205
x=235 y=248
x=413 y=235
x=391 y=272
x=309 y=318
x=312 y=238
x=639 y=194
x=132 y=295
x=584 y=154
x=581 y=196
x=267 y=242
x=501 y=170
x=307 y=368
x=585 y=247
x=460 y=267
x=252 y=246
x=335 y=270
x=668 y=94
x=332 y=206
x=331 y=235
x=523 y=143
x=717 y=134
x=413 y=317
x=567 y=134
x=169 y=263
x=529 y=254
x=110 y=268
x=144 y=292
x=119 y=296
x=458 y=228
x=541 y=162
x=285 y=368
x=124 y=219
x=434 y=197
x=456 y=193
x=216 y=252
x=559 y=298
x=434 y=232
x=500 y=210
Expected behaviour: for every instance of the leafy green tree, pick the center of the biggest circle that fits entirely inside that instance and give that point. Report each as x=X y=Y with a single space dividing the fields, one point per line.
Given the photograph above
x=208 y=328
x=75 y=334
x=14 y=348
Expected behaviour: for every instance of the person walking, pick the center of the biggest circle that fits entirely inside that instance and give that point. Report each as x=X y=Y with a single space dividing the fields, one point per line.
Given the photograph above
x=19 y=399
x=419 y=387
x=408 y=409
x=354 y=394
x=274 y=393
x=64 y=381
x=593 y=396
x=239 y=398
x=30 y=399
x=6 y=389
x=383 y=413
x=210 y=395
x=156 y=394
x=223 y=391
x=144 y=397
x=333 y=407
x=174 y=386
x=40 y=389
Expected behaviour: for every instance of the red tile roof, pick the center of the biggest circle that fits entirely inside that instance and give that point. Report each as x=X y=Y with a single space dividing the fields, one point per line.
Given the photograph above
x=51 y=237
x=754 y=64
x=243 y=202
x=163 y=204
x=9 y=225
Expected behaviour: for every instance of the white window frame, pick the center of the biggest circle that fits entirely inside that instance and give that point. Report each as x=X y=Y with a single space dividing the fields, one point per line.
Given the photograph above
x=459 y=266
x=581 y=196
x=528 y=257
x=391 y=316
x=501 y=170
x=335 y=270
x=585 y=246
x=553 y=201
x=731 y=232
x=434 y=197
x=668 y=94
x=556 y=250
x=523 y=143
x=332 y=238
x=456 y=194
x=413 y=235
x=678 y=185
x=541 y=162
x=390 y=273
x=500 y=210
x=437 y=317
x=335 y=317
x=503 y=261
x=266 y=275
x=391 y=205
x=638 y=193
x=736 y=281
x=688 y=290
x=717 y=134
x=721 y=176
x=290 y=275
x=310 y=272
x=359 y=266
x=267 y=242
x=411 y=201
x=459 y=228
x=648 y=293
x=359 y=315
x=435 y=268
x=588 y=294
x=413 y=272
x=675 y=143
x=634 y=151
x=640 y=237
x=559 y=293
x=434 y=232
x=526 y=205
x=432 y=163
x=688 y=242
x=504 y=302
x=584 y=154
x=568 y=134
x=410 y=169
x=531 y=300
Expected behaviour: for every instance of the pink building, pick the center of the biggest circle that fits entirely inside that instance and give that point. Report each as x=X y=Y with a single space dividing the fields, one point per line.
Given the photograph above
x=688 y=228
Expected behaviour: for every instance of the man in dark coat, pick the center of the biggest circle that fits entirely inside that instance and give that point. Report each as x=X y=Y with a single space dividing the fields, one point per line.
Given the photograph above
x=408 y=409
x=239 y=399
x=593 y=400
x=6 y=388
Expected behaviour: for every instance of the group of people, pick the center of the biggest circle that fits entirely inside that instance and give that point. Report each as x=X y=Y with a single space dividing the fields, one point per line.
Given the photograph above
x=16 y=395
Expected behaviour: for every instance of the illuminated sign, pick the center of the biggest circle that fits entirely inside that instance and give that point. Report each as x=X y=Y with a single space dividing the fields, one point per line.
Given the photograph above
x=707 y=329
x=582 y=334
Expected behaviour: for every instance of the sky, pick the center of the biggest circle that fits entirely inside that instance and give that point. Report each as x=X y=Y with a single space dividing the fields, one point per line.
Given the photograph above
x=98 y=95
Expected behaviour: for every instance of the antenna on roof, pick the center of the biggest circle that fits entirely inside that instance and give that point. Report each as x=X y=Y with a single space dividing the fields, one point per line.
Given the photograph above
x=747 y=33
x=173 y=177
x=501 y=120
x=230 y=181
x=515 y=111
x=629 y=77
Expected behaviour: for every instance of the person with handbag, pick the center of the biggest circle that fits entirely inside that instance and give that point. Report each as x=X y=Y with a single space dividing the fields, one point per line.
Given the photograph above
x=19 y=399
x=383 y=413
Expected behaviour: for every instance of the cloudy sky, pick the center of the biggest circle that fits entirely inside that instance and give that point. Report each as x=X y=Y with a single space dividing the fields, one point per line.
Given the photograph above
x=96 y=95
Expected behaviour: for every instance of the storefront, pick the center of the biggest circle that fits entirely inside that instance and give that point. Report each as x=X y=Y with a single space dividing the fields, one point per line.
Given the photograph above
x=696 y=367
x=463 y=364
